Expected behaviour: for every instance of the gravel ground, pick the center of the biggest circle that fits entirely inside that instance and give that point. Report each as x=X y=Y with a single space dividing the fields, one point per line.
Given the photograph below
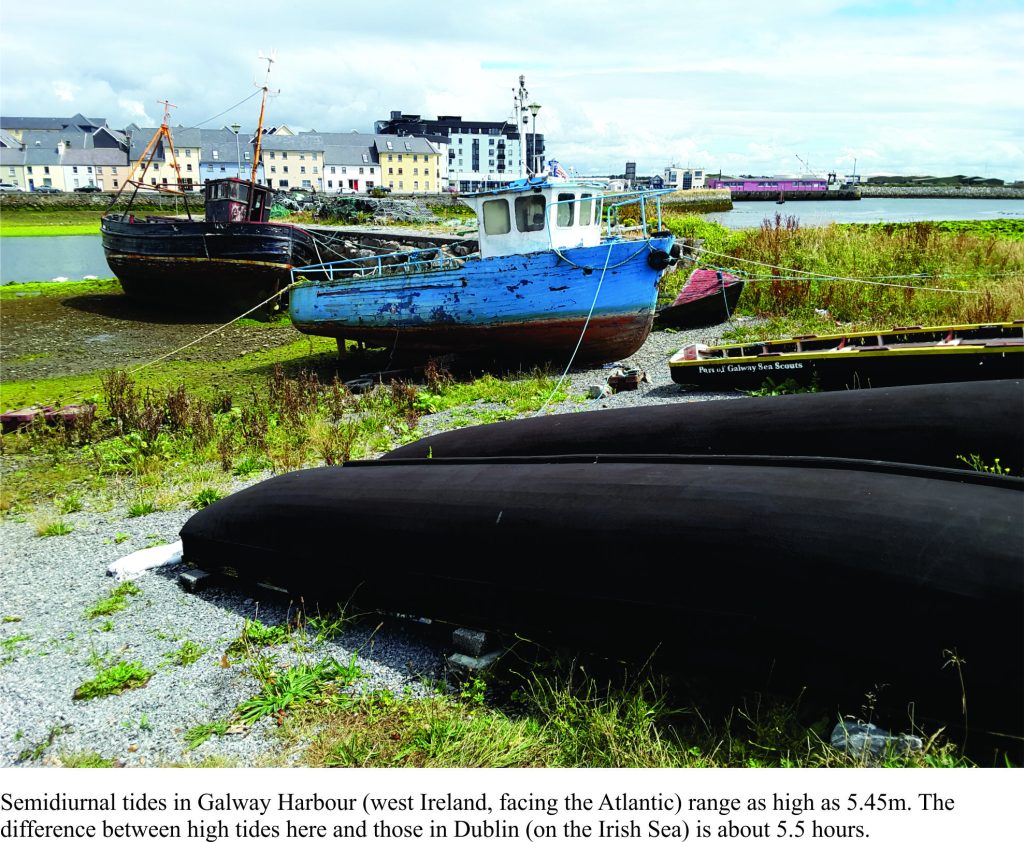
x=48 y=648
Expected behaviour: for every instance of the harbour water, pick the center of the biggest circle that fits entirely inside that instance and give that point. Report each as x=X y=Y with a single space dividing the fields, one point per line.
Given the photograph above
x=26 y=259
x=812 y=214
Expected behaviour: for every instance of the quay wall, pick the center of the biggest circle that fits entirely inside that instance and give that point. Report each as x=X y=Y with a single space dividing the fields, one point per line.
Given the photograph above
x=94 y=201
x=877 y=191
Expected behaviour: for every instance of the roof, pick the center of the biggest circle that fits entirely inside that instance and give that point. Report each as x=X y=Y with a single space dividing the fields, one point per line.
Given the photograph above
x=50 y=123
x=399 y=143
x=94 y=157
x=350 y=155
x=180 y=136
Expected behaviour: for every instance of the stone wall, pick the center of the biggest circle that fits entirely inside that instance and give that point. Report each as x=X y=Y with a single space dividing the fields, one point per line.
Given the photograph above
x=876 y=191
x=95 y=201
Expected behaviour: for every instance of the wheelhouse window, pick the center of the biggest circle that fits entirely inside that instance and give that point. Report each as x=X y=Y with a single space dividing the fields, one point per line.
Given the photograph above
x=587 y=207
x=566 y=209
x=530 y=213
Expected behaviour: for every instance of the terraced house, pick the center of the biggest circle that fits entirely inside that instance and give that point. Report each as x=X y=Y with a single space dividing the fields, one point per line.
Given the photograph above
x=350 y=163
x=293 y=160
x=409 y=164
x=62 y=153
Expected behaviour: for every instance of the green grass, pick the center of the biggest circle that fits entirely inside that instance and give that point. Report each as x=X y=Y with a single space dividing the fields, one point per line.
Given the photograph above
x=114 y=680
x=53 y=528
x=62 y=289
x=52 y=230
x=186 y=654
x=116 y=601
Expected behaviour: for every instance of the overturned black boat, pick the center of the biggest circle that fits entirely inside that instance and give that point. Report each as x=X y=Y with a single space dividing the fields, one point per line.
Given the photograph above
x=872 y=569
x=927 y=424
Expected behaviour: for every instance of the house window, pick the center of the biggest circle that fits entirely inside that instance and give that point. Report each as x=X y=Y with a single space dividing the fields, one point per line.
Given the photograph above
x=88 y=169
x=399 y=157
x=361 y=170
x=283 y=182
x=366 y=159
x=273 y=168
x=115 y=182
x=28 y=168
x=302 y=157
x=390 y=146
x=344 y=170
x=391 y=184
x=391 y=170
x=330 y=183
x=99 y=170
x=285 y=169
x=271 y=155
x=415 y=170
x=369 y=185
x=74 y=169
x=302 y=169
x=284 y=154
x=316 y=169
x=332 y=169
x=188 y=167
x=399 y=170
x=391 y=157
x=415 y=185
x=216 y=155
x=415 y=157
x=188 y=153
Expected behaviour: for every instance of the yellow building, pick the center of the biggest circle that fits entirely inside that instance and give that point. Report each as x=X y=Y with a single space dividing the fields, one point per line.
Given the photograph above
x=408 y=164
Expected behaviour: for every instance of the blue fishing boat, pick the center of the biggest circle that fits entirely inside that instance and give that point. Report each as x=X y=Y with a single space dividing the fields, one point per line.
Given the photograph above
x=560 y=267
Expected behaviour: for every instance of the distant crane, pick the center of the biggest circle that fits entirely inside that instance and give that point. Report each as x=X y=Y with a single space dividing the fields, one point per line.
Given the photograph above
x=806 y=165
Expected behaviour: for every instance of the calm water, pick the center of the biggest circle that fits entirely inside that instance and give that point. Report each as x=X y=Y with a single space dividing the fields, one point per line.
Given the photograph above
x=810 y=214
x=25 y=259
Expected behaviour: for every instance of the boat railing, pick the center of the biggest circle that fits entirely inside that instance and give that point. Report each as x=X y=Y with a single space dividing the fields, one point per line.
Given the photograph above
x=415 y=261
x=617 y=223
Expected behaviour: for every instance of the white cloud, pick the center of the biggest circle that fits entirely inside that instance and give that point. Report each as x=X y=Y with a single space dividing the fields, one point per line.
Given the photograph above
x=726 y=84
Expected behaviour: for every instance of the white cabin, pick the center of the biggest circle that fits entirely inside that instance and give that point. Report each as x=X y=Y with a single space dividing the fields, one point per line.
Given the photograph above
x=537 y=214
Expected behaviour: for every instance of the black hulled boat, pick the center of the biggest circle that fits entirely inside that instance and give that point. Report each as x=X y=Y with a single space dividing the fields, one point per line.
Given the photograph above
x=231 y=261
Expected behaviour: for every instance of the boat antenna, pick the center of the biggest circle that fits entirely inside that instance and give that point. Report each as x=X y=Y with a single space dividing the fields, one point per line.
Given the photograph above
x=263 y=104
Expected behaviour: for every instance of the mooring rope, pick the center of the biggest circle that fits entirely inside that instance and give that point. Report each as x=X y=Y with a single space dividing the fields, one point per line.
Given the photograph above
x=822 y=277
x=583 y=332
x=210 y=333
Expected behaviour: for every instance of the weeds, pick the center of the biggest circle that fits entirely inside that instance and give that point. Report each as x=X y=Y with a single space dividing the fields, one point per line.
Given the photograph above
x=52 y=528
x=114 y=680
x=199 y=734
x=116 y=601
x=205 y=496
x=186 y=654
x=297 y=685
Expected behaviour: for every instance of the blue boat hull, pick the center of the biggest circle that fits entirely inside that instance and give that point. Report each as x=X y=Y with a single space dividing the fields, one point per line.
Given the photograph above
x=531 y=305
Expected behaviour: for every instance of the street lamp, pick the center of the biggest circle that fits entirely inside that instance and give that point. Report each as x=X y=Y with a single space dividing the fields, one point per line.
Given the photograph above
x=235 y=127
x=534 y=108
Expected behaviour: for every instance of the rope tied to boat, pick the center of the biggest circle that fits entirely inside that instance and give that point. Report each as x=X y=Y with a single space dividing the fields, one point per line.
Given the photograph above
x=216 y=330
x=583 y=332
x=807 y=275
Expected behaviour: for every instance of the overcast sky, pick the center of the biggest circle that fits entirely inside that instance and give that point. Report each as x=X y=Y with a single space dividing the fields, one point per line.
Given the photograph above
x=743 y=86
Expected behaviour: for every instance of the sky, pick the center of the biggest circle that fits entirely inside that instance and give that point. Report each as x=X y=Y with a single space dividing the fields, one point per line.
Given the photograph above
x=910 y=87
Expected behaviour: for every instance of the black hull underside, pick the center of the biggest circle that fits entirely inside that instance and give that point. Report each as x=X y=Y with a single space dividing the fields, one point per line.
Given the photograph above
x=812 y=564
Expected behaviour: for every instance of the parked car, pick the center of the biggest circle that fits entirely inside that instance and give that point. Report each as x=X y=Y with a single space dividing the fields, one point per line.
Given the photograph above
x=45 y=189
x=89 y=188
x=9 y=188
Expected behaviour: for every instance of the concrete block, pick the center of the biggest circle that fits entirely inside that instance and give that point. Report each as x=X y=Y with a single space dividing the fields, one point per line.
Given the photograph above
x=469 y=641
x=194 y=581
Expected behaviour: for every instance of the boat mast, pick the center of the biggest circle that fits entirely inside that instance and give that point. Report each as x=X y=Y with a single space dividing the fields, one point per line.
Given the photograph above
x=263 y=105
x=522 y=95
